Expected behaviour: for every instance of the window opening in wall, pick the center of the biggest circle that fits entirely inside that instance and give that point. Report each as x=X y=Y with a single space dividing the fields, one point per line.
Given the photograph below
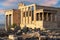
x=23 y=14
x=45 y=14
x=37 y=16
x=49 y=16
x=26 y=14
x=32 y=15
x=28 y=8
x=29 y=13
x=40 y=16
x=32 y=8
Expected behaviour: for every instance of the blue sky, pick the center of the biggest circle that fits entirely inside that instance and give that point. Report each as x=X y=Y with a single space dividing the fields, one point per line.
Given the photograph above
x=12 y=4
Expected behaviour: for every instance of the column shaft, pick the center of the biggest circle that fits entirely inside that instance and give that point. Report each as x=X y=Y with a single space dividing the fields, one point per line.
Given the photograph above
x=25 y=15
x=55 y=17
x=31 y=14
x=8 y=20
x=6 y=25
x=51 y=16
x=47 y=17
x=28 y=16
x=42 y=16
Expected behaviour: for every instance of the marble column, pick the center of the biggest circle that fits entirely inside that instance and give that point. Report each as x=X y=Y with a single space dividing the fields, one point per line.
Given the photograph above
x=31 y=14
x=47 y=17
x=42 y=16
x=28 y=16
x=51 y=16
x=55 y=17
x=6 y=25
x=8 y=20
x=25 y=15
